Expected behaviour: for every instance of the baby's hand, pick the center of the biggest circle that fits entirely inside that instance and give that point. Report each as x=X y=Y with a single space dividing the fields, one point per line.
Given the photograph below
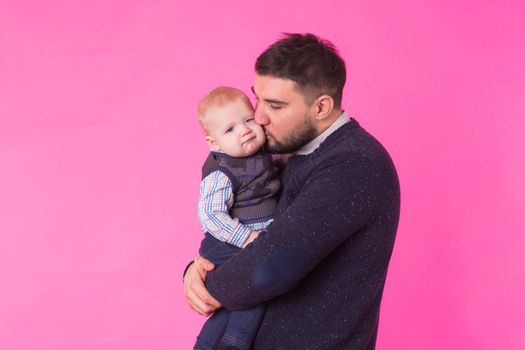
x=251 y=237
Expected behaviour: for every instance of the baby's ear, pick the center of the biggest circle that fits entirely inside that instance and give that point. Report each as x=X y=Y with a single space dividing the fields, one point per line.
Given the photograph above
x=211 y=142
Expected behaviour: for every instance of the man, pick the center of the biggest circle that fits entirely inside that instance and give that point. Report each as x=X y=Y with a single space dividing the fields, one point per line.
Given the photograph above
x=321 y=265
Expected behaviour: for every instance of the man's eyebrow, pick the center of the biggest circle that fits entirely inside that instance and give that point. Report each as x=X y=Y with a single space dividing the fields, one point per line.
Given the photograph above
x=269 y=100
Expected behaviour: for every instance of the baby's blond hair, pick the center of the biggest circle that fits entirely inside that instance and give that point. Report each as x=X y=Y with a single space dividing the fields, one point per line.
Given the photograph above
x=219 y=97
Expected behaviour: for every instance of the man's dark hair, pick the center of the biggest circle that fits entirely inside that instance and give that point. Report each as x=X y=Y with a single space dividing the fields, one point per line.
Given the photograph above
x=311 y=62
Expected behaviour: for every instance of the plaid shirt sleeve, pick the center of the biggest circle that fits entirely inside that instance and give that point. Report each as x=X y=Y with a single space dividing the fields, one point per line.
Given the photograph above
x=216 y=198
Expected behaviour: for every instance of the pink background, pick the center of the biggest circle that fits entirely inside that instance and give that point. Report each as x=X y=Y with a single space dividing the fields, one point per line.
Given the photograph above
x=100 y=159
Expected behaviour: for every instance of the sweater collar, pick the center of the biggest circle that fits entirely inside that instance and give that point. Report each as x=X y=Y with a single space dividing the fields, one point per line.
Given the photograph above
x=315 y=143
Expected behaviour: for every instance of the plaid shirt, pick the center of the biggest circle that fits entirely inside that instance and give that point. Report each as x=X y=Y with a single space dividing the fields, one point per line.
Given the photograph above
x=216 y=198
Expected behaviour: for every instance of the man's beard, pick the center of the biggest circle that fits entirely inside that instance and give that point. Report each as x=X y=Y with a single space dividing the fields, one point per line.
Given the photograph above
x=303 y=133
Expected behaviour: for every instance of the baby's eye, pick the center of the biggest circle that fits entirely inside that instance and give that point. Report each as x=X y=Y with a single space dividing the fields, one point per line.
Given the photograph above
x=249 y=120
x=229 y=130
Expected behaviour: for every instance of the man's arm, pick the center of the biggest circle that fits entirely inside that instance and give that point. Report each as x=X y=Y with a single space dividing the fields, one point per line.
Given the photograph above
x=333 y=204
x=198 y=297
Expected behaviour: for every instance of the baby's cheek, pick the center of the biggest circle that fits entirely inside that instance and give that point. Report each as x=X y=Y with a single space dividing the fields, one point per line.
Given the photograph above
x=262 y=135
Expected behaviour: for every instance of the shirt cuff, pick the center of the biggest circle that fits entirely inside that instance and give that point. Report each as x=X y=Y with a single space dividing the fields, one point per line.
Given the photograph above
x=240 y=235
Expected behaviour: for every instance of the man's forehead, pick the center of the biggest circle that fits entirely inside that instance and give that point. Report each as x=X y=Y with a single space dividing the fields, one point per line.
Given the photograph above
x=272 y=88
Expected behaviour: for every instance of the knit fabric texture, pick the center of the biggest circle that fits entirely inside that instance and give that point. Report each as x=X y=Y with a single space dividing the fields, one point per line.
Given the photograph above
x=321 y=265
x=254 y=180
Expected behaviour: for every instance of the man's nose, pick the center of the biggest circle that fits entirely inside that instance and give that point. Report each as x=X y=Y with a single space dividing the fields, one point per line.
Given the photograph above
x=260 y=116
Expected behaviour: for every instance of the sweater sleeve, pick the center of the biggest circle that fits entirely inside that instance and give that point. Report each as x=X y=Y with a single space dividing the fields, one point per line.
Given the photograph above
x=333 y=204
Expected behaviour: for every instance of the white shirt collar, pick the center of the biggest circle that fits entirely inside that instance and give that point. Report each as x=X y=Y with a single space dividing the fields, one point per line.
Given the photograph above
x=315 y=143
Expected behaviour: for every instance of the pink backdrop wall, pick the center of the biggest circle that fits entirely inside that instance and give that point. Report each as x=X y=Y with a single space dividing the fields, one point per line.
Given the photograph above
x=98 y=219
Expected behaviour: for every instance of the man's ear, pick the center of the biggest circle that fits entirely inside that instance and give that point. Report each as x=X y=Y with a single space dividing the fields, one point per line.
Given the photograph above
x=323 y=107
x=211 y=142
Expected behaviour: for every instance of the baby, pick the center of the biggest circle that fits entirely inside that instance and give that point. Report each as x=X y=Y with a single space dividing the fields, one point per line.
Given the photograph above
x=238 y=194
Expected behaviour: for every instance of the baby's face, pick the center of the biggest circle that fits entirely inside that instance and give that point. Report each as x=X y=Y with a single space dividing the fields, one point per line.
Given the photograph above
x=232 y=129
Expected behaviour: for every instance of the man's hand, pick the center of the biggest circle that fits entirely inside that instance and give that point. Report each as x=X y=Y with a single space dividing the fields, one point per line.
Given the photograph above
x=196 y=293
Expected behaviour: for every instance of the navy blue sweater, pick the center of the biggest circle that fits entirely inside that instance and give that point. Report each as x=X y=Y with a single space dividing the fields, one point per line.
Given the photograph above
x=321 y=265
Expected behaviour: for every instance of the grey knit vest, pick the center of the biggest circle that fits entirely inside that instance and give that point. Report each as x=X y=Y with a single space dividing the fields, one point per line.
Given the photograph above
x=255 y=184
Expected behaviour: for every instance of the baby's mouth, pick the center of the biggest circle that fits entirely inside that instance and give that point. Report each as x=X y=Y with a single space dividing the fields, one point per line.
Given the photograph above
x=248 y=140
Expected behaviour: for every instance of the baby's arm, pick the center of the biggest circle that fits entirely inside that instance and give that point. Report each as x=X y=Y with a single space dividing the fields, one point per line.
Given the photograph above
x=251 y=237
x=216 y=198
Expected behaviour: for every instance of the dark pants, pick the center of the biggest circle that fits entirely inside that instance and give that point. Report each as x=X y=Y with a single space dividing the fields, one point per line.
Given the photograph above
x=227 y=329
